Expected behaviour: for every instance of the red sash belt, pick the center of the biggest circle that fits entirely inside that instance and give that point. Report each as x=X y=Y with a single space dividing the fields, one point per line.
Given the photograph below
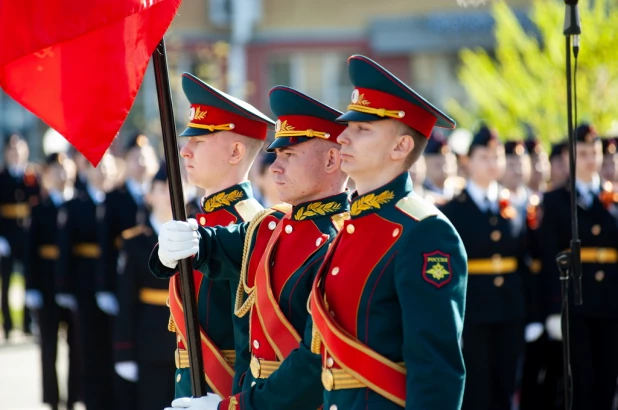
x=278 y=330
x=373 y=370
x=217 y=371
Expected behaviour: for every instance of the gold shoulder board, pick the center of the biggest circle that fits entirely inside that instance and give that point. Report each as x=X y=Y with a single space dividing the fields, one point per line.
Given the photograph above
x=416 y=207
x=283 y=208
x=248 y=208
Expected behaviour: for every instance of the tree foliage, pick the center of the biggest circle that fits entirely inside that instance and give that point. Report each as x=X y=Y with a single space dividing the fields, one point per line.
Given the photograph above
x=523 y=80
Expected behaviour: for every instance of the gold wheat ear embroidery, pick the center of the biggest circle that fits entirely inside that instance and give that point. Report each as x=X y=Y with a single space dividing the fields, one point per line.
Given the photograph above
x=233 y=403
x=286 y=127
x=371 y=201
x=222 y=199
x=362 y=101
x=316 y=208
x=199 y=114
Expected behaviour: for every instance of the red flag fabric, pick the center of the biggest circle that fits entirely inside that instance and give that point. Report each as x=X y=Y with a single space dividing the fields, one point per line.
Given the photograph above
x=78 y=64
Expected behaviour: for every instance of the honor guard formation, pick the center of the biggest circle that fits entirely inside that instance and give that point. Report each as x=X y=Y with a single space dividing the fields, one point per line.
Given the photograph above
x=432 y=284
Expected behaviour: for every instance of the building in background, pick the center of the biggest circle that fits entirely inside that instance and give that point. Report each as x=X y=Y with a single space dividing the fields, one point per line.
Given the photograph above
x=248 y=46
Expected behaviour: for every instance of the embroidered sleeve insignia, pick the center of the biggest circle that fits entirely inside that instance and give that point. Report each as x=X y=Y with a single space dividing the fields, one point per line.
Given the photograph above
x=437 y=268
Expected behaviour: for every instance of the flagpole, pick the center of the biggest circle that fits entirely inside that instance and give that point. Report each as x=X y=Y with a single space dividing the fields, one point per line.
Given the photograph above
x=166 y=111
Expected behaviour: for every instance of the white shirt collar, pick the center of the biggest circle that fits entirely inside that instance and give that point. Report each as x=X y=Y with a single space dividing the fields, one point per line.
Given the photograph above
x=591 y=187
x=16 y=171
x=97 y=196
x=136 y=190
x=479 y=194
x=56 y=197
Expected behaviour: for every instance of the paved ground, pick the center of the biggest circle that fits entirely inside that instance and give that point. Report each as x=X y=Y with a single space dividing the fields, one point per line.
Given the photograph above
x=20 y=367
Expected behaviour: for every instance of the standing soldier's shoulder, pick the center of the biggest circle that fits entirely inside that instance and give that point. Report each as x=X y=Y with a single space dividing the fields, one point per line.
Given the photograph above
x=416 y=208
x=248 y=208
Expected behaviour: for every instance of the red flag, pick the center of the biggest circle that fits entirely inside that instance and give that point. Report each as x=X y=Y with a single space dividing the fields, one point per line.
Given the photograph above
x=78 y=64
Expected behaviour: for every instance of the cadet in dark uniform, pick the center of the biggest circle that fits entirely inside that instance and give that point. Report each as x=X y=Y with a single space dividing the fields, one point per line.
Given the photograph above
x=79 y=256
x=41 y=255
x=493 y=334
x=593 y=325
x=142 y=342
x=279 y=256
x=19 y=191
x=118 y=213
x=388 y=303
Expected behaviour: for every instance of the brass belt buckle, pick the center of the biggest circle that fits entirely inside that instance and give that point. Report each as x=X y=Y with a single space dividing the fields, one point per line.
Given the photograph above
x=256 y=368
x=328 y=380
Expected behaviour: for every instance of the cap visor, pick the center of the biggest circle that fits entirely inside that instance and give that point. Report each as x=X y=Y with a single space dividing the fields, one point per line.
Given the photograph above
x=355 y=116
x=195 y=132
x=285 y=142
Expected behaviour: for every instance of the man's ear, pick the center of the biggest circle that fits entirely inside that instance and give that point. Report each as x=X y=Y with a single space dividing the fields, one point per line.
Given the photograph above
x=333 y=160
x=238 y=152
x=404 y=145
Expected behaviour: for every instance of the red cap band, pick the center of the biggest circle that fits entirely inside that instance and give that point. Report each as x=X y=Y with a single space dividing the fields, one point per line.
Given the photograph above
x=388 y=105
x=215 y=119
x=301 y=125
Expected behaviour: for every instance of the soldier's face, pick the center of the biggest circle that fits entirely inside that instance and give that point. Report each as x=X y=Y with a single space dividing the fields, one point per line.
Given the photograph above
x=17 y=153
x=301 y=171
x=367 y=148
x=141 y=163
x=517 y=171
x=159 y=200
x=206 y=159
x=54 y=177
x=589 y=158
x=559 y=170
x=539 y=168
x=486 y=164
x=440 y=167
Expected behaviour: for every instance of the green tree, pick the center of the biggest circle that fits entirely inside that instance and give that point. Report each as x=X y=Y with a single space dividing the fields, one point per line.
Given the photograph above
x=523 y=80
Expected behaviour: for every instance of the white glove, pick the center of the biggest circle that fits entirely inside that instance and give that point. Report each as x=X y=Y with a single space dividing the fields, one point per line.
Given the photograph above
x=5 y=247
x=107 y=302
x=209 y=402
x=128 y=370
x=533 y=332
x=34 y=299
x=553 y=324
x=66 y=301
x=177 y=240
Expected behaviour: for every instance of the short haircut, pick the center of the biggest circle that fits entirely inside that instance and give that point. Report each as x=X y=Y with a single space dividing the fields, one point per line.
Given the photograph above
x=420 y=142
x=253 y=147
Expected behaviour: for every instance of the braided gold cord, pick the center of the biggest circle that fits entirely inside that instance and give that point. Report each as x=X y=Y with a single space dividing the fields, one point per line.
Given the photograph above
x=316 y=340
x=171 y=325
x=242 y=306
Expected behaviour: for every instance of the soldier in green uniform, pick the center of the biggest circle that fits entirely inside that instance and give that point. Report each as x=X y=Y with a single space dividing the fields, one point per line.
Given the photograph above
x=223 y=137
x=282 y=254
x=388 y=303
